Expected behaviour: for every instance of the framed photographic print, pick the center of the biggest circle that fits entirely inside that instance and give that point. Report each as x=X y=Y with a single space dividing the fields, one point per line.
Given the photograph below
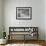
x=23 y=13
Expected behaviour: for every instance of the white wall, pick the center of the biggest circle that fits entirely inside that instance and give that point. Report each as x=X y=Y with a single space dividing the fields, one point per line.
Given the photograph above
x=45 y=19
x=0 y=13
x=0 y=18
x=38 y=15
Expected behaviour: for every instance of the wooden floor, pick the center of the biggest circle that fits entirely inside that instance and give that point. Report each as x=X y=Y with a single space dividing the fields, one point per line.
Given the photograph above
x=40 y=42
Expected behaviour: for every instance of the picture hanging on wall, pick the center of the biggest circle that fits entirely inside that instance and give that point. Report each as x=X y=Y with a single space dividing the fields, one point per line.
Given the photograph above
x=24 y=13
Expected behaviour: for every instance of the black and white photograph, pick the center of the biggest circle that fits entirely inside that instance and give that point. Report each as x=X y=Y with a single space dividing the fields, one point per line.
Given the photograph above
x=24 y=13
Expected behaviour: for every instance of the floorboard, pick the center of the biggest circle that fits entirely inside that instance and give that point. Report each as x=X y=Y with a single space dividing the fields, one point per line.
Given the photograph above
x=25 y=43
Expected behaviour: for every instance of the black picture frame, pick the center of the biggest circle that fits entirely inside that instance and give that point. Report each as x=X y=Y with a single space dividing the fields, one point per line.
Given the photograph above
x=24 y=13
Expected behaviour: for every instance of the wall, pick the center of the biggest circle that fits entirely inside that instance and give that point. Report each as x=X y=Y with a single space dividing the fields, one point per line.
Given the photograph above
x=45 y=19
x=37 y=15
x=0 y=18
